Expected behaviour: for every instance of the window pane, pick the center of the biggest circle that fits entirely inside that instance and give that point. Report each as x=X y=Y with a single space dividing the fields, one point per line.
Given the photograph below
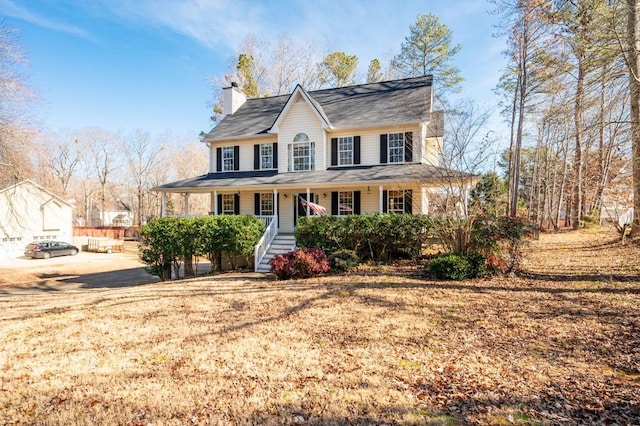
x=301 y=156
x=228 y=204
x=345 y=151
x=266 y=156
x=266 y=204
x=345 y=203
x=396 y=202
x=396 y=147
x=227 y=158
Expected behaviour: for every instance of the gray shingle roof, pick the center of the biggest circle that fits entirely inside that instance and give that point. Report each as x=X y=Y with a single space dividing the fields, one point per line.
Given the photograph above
x=356 y=175
x=384 y=103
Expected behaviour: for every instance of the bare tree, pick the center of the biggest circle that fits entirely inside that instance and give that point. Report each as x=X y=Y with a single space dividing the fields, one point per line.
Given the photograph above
x=15 y=98
x=142 y=157
x=102 y=158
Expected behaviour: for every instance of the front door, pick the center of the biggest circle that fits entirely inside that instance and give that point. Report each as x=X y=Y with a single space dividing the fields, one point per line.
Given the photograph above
x=298 y=209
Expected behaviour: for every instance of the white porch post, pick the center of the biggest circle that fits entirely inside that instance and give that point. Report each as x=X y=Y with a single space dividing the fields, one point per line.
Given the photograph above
x=212 y=206
x=381 y=189
x=275 y=202
x=163 y=205
x=425 y=201
x=186 y=204
x=308 y=200
x=215 y=203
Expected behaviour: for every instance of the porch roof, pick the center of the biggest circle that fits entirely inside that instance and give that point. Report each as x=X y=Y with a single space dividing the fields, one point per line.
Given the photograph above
x=414 y=173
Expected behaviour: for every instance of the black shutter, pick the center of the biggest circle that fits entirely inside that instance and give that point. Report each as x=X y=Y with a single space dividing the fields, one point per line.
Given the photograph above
x=275 y=155
x=356 y=202
x=356 y=150
x=408 y=201
x=383 y=149
x=256 y=201
x=334 y=151
x=218 y=159
x=236 y=203
x=278 y=210
x=385 y=202
x=236 y=157
x=219 y=202
x=256 y=157
x=408 y=147
x=334 y=203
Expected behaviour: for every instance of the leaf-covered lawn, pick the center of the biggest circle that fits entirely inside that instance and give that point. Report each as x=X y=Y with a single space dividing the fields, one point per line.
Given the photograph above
x=560 y=345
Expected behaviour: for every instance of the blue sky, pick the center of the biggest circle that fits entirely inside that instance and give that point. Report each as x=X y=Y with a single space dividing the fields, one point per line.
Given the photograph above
x=128 y=64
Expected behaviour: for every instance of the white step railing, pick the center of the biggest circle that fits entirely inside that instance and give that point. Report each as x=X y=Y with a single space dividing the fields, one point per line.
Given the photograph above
x=266 y=240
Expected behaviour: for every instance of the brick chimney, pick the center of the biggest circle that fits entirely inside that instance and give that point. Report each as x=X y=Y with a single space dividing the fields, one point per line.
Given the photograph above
x=233 y=99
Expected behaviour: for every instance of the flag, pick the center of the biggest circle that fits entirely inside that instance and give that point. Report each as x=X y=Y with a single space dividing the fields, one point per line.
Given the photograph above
x=316 y=208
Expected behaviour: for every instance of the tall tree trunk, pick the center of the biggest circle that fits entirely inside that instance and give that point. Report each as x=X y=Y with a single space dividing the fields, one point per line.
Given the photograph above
x=576 y=203
x=634 y=86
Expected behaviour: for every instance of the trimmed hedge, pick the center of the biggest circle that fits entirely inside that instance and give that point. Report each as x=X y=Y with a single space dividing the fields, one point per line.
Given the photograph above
x=380 y=237
x=458 y=266
x=300 y=263
x=166 y=243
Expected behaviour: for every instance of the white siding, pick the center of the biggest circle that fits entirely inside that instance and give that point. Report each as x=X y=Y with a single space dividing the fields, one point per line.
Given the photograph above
x=370 y=143
x=301 y=119
x=28 y=212
x=246 y=153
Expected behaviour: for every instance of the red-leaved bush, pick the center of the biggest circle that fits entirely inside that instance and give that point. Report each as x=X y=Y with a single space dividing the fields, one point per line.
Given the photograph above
x=300 y=263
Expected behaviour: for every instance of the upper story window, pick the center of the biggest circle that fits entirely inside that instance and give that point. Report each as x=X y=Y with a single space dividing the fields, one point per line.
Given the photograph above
x=345 y=151
x=266 y=156
x=301 y=153
x=227 y=159
x=396 y=147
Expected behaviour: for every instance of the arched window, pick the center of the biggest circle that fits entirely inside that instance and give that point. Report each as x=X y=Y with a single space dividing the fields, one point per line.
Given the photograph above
x=301 y=137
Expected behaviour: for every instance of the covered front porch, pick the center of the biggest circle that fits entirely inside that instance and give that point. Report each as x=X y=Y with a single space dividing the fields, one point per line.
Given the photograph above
x=289 y=204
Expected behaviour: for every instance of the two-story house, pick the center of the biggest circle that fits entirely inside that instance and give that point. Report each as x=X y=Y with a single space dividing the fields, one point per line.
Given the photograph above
x=353 y=150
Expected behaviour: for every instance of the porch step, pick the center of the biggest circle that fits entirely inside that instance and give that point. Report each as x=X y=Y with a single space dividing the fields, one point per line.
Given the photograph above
x=281 y=244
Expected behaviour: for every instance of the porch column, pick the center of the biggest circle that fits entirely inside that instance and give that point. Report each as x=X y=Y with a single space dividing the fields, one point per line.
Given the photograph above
x=212 y=201
x=215 y=203
x=186 y=204
x=163 y=205
x=308 y=200
x=275 y=202
x=381 y=200
x=425 y=201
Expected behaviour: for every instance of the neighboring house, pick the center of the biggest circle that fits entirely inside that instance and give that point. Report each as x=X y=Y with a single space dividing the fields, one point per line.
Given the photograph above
x=114 y=214
x=28 y=212
x=352 y=150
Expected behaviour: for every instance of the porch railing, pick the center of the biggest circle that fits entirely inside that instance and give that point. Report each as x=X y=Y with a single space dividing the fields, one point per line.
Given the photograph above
x=267 y=238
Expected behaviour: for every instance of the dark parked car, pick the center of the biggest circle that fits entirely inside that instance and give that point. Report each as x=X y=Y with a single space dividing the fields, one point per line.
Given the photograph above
x=47 y=249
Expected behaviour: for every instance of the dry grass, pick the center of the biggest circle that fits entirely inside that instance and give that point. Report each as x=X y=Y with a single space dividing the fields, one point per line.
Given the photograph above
x=379 y=347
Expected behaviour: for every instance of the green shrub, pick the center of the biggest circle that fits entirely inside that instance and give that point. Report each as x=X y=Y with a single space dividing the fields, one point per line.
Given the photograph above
x=343 y=260
x=377 y=237
x=458 y=266
x=166 y=243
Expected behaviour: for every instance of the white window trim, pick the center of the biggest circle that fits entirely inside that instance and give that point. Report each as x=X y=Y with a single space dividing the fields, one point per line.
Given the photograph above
x=391 y=206
x=341 y=139
x=346 y=213
x=312 y=156
x=262 y=212
x=389 y=148
x=226 y=149
x=233 y=204
x=270 y=146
